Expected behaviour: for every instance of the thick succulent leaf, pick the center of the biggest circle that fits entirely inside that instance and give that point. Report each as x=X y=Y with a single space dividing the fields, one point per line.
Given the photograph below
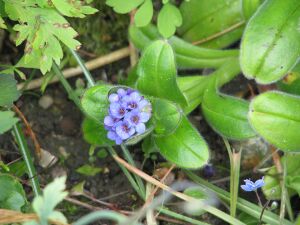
x=144 y=14
x=167 y=116
x=7 y=120
x=12 y=195
x=270 y=46
x=276 y=117
x=168 y=19
x=272 y=187
x=94 y=133
x=95 y=102
x=185 y=147
x=8 y=90
x=227 y=115
x=203 y=20
x=157 y=73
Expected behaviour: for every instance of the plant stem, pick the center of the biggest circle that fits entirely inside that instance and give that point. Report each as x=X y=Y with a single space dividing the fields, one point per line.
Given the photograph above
x=23 y=147
x=67 y=86
x=235 y=159
x=129 y=158
x=258 y=198
x=283 y=192
x=98 y=215
x=127 y=174
x=86 y=72
x=180 y=216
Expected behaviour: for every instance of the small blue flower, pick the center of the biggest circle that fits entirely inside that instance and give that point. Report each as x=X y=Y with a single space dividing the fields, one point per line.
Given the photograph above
x=117 y=110
x=137 y=119
x=124 y=130
x=253 y=186
x=128 y=112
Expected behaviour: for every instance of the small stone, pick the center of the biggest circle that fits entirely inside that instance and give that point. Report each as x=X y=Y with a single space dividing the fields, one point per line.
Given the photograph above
x=45 y=101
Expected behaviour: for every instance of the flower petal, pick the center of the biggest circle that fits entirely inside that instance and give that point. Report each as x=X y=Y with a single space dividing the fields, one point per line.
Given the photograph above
x=140 y=128
x=113 y=98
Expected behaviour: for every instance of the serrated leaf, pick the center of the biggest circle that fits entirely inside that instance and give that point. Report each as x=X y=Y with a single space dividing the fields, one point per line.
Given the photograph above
x=144 y=14
x=206 y=20
x=94 y=133
x=45 y=204
x=168 y=19
x=42 y=28
x=266 y=50
x=8 y=90
x=227 y=115
x=276 y=117
x=121 y=6
x=95 y=102
x=157 y=73
x=12 y=195
x=7 y=120
x=185 y=147
x=88 y=170
x=73 y=8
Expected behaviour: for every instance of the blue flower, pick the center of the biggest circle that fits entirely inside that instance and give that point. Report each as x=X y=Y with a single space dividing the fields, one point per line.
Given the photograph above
x=253 y=186
x=124 y=130
x=138 y=119
x=128 y=112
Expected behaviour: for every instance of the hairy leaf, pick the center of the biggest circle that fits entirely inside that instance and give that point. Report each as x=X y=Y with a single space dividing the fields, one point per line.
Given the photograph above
x=207 y=21
x=157 y=73
x=276 y=117
x=94 y=133
x=270 y=46
x=95 y=102
x=226 y=114
x=185 y=147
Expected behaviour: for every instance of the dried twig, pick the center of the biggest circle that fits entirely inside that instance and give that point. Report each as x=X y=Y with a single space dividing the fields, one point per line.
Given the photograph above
x=90 y=65
x=37 y=146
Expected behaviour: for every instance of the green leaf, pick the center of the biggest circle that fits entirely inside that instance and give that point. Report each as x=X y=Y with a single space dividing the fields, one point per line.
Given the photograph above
x=293 y=182
x=94 y=133
x=210 y=22
x=121 y=6
x=247 y=219
x=74 y=8
x=249 y=7
x=168 y=19
x=197 y=193
x=12 y=195
x=227 y=115
x=95 y=102
x=144 y=14
x=42 y=28
x=276 y=117
x=2 y=24
x=8 y=90
x=185 y=147
x=157 y=73
x=45 y=204
x=88 y=170
x=266 y=50
x=167 y=116
x=7 y=120
x=272 y=187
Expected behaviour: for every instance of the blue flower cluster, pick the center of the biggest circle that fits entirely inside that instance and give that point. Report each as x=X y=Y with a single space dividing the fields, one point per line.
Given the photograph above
x=128 y=112
x=253 y=186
